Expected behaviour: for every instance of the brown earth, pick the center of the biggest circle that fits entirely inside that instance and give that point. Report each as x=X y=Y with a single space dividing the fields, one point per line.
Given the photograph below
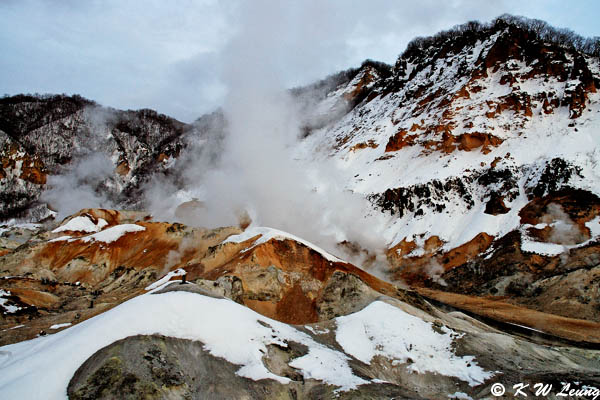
x=572 y=329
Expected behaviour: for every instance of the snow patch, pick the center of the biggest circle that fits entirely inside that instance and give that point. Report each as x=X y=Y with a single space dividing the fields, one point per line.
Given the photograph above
x=108 y=235
x=60 y=239
x=14 y=327
x=8 y=308
x=81 y=224
x=159 y=283
x=113 y=233
x=549 y=249
x=58 y=326
x=594 y=226
x=384 y=330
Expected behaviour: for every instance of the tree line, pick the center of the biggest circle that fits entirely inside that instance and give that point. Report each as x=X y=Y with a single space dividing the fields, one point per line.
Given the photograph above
x=538 y=29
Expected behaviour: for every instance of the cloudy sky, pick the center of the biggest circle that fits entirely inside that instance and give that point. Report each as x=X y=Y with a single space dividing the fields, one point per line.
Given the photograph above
x=171 y=55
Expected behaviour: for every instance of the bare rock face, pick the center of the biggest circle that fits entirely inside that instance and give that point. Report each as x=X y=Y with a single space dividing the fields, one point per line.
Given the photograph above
x=344 y=294
x=288 y=281
x=158 y=367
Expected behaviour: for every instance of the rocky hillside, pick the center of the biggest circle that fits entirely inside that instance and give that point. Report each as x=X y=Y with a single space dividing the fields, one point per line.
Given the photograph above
x=481 y=147
x=147 y=305
x=41 y=136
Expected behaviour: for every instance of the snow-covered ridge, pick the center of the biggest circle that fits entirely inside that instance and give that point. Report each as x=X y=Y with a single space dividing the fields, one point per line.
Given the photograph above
x=267 y=234
x=108 y=235
x=159 y=283
x=32 y=364
x=528 y=110
x=82 y=223
x=233 y=332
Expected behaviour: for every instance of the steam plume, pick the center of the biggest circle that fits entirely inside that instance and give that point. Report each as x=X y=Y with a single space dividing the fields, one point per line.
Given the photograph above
x=260 y=169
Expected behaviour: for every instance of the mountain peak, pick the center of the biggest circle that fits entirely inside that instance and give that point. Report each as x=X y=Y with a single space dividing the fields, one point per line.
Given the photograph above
x=519 y=29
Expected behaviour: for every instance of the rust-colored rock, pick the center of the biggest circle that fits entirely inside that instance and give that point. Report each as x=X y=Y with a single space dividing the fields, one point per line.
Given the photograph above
x=363 y=145
x=467 y=251
x=400 y=140
x=123 y=168
x=471 y=141
x=418 y=270
x=31 y=167
x=576 y=330
x=282 y=279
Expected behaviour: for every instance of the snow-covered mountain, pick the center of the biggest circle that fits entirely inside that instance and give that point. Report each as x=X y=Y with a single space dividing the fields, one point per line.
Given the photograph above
x=480 y=140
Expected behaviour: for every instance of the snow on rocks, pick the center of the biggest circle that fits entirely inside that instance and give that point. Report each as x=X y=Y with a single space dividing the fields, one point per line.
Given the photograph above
x=81 y=223
x=108 y=235
x=14 y=327
x=384 y=330
x=8 y=308
x=113 y=233
x=58 y=326
x=60 y=239
x=159 y=283
x=529 y=142
x=548 y=249
x=267 y=234
x=228 y=330
x=14 y=224
x=594 y=227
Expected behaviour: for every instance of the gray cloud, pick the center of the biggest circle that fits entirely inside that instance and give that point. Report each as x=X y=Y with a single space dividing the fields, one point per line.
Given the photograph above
x=167 y=55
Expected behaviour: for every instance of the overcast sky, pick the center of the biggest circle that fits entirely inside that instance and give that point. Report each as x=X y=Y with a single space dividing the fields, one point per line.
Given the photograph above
x=170 y=55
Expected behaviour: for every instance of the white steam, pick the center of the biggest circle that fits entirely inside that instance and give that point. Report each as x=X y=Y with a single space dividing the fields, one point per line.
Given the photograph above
x=78 y=187
x=259 y=170
x=564 y=230
x=174 y=257
x=435 y=271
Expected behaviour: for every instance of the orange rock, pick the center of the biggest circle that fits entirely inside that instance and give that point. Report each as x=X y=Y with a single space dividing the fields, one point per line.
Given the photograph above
x=302 y=277
x=401 y=249
x=471 y=141
x=433 y=243
x=399 y=141
x=123 y=168
x=463 y=93
x=568 y=328
x=35 y=297
x=363 y=145
x=467 y=251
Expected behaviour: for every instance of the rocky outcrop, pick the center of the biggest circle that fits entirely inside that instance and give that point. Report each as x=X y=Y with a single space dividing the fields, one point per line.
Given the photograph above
x=163 y=367
x=288 y=281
